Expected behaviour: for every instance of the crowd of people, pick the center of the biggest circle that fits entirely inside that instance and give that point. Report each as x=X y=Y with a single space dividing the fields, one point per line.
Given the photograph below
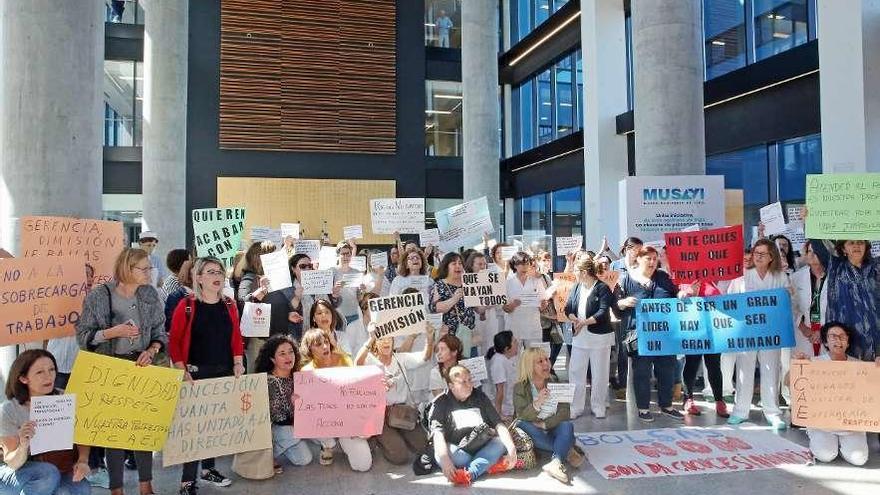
x=185 y=313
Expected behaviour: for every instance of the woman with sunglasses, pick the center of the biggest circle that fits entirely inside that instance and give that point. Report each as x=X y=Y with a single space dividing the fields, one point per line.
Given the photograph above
x=301 y=304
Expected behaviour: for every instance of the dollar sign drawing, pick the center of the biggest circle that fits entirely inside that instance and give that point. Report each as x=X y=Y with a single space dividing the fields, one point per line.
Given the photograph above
x=246 y=402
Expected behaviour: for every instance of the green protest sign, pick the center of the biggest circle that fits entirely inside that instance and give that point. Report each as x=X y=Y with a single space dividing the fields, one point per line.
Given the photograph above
x=218 y=232
x=843 y=206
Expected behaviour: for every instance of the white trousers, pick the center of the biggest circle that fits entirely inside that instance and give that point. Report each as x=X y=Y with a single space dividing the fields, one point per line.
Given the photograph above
x=852 y=445
x=599 y=361
x=745 y=382
x=360 y=458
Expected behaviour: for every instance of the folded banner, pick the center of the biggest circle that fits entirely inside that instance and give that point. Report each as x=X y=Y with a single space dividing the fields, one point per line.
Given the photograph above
x=752 y=321
x=339 y=402
x=395 y=316
x=218 y=232
x=706 y=255
x=485 y=288
x=835 y=395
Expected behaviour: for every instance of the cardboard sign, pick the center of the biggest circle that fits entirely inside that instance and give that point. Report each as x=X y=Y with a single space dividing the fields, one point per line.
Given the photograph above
x=396 y=316
x=690 y=450
x=707 y=255
x=430 y=237
x=218 y=232
x=339 y=402
x=41 y=299
x=379 y=259
x=95 y=242
x=290 y=230
x=561 y=392
x=566 y=245
x=403 y=215
x=752 y=321
x=217 y=417
x=773 y=219
x=255 y=319
x=308 y=247
x=317 y=282
x=485 y=288
x=477 y=367
x=843 y=206
x=120 y=405
x=53 y=415
x=352 y=232
x=564 y=283
x=277 y=270
x=836 y=395
x=464 y=225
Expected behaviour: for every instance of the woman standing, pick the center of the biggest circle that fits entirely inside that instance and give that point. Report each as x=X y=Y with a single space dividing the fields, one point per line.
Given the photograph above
x=125 y=318
x=205 y=342
x=712 y=362
x=525 y=300
x=501 y=360
x=254 y=287
x=412 y=272
x=301 y=304
x=448 y=298
x=348 y=303
x=488 y=322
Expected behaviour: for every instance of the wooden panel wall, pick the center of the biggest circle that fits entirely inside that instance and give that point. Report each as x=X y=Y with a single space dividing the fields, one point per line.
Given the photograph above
x=308 y=75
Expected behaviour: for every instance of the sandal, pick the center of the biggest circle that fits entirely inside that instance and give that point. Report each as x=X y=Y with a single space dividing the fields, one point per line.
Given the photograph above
x=278 y=469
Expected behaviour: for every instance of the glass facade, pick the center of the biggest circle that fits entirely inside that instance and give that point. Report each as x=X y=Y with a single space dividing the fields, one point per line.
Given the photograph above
x=526 y=15
x=544 y=217
x=779 y=25
x=123 y=102
x=443 y=23
x=724 y=28
x=443 y=101
x=123 y=11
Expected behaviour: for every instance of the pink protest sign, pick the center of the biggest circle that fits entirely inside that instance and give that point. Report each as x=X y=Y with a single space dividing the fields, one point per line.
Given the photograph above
x=339 y=402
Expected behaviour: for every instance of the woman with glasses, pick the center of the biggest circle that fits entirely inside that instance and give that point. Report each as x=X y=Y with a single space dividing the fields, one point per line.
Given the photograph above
x=125 y=318
x=448 y=298
x=525 y=300
x=348 y=304
x=301 y=304
x=205 y=342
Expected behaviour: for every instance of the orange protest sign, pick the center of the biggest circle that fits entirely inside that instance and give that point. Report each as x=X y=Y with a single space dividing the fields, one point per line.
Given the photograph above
x=836 y=395
x=96 y=242
x=564 y=282
x=41 y=298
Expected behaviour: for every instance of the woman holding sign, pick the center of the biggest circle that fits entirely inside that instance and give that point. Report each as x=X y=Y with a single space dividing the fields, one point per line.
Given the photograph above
x=32 y=375
x=205 y=342
x=448 y=298
x=300 y=303
x=526 y=299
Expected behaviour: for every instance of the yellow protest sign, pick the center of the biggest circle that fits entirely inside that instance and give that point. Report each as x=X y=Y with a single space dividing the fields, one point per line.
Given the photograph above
x=836 y=395
x=121 y=405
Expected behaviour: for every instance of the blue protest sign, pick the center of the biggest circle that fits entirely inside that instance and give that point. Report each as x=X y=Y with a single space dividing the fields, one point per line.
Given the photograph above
x=752 y=321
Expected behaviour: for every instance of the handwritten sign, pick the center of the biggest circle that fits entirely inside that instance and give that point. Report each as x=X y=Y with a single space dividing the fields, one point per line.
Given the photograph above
x=566 y=245
x=773 y=219
x=120 y=405
x=707 y=255
x=276 y=269
x=219 y=416
x=396 y=316
x=752 y=321
x=435 y=320
x=544 y=346
x=564 y=283
x=430 y=237
x=353 y=232
x=308 y=247
x=508 y=252
x=41 y=298
x=359 y=263
x=339 y=402
x=290 y=230
x=53 y=415
x=692 y=450
x=218 y=232
x=561 y=392
x=403 y=215
x=379 y=259
x=464 y=224
x=836 y=395
x=477 y=367
x=316 y=282
x=485 y=288
x=843 y=206
x=96 y=242
x=263 y=234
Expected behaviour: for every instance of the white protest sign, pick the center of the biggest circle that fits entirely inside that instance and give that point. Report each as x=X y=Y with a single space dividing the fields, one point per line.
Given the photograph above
x=403 y=215
x=795 y=234
x=530 y=299
x=508 y=252
x=353 y=232
x=351 y=279
x=317 y=282
x=691 y=228
x=435 y=320
x=255 y=319
x=289 y=229
x=395 y=316
x=565 y=245
x=379 y=259
x=464 y=224
x=359 y=263
x=477 y=367
x=875 y=249
x=260 y=233
x=773 y=219
x=795 y=214
x=541 y=345
x=326 y=257
x=308 y=247
x=275 y=267
x=54 y=418
x=485 y=288
x=430 y=237
x=561 y=392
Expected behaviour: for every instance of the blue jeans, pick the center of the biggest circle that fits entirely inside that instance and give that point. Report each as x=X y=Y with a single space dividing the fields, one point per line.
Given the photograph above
x=664 y=370
x=479 y=463
x=68 y=487
x=33 y=478
x=286 y=446
x=558 y=440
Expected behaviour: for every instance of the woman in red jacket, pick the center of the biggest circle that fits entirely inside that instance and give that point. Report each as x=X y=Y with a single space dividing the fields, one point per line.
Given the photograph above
x=205 y=342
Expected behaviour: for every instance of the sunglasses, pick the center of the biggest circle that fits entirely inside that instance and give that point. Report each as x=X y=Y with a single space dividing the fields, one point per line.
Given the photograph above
x=307 y=266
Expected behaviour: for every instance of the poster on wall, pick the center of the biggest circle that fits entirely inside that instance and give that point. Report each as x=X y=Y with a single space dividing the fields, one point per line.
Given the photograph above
x=652 y=206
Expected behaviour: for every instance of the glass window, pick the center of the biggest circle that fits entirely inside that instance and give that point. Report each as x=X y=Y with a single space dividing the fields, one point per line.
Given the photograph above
x=567 y=217
x=534 y=213
x=795 y=158
x=123 y=11
x=443 y=23
x=443 y=102
x=579 y=90
x=123 y=100
x=725 y=36
x=779 y=25
x=748 y=171
x=525 y=120
x=564 y=99
x=545 y=108
x=629 y=62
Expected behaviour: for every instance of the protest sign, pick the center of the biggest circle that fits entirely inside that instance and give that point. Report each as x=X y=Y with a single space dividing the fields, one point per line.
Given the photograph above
x=41 y=298
x=689 y=450
x=339 y=402
x=561 y=392
x=358 y=263
x=317 y=282
x=275 y=267
x=545 y=346
x=508 y=252
x=835 y=395
x=795 y=234
x=435 y=320
x=875 y=249
x=773 y=219
x=255 y=319
x=652 y=206
x=395 y=316
x=264 y=234
x=795 y=213
x=566 y=245
x=485 y=288
x=403 y=215
x=218 y=232
x=477 y=367
x=464 y=225
x=53 y=418
x=707 y=255
x=95 y=242
x=310 y=248
x=564 y=283
x=529 y=299
x=217 y=417
x=379 y=259
x=121 y=405
x=843 y=206
x=752 y=321
x=352 y=232
x=289 y=230
x=351 y=279
x=430 y=237
x=326 y=257
x=5 y=254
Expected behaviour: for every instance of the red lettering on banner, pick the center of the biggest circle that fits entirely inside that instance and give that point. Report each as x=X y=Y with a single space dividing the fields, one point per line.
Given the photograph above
x=708 y=255
x=615 y=472
x=658 y=468
x=695 y=447
x=729 y=444
x=655 y=449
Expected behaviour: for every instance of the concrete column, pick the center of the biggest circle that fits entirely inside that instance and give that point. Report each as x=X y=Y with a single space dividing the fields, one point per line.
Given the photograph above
x=166 y=31
x=479 y=76
x=603 y=41
x=668 y=71
x=51 y=108
x=849 y=84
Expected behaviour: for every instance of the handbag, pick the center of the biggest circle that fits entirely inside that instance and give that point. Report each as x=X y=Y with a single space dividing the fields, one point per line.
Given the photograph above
x=630 y=343
x=403 y=416
x=477 y=438
x=525 y=446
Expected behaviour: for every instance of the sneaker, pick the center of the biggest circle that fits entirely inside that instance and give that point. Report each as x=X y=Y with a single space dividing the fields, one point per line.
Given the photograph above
x=99 y=478
x=690 y=407
x=776 y=422
x=556 y=469
x=188 y=488
x=735 y=420
x=460 y=477
x=326 y=458
x=214 y=477
x=620 y=394
x=502 y=467
x=721 y=409
x=728 y=399
x=575 y=457
x=672 y=413
x=130 y=464
x=646 y=416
